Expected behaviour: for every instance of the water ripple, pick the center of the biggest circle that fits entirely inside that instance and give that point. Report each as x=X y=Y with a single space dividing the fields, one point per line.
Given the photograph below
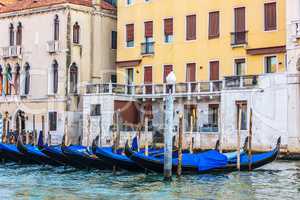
x=279 y=180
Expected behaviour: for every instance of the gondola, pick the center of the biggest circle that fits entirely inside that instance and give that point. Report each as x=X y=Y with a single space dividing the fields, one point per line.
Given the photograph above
x=207 y=162
x=120 y=160
x=83 y=158
x=10 y=152
x=55 y=153
x=33 y=153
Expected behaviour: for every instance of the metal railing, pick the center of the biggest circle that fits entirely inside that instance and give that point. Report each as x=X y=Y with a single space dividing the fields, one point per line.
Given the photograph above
x=239 y=38
x=147 y=48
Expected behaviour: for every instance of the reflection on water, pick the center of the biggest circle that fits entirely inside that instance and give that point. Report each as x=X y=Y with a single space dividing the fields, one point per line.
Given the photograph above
x=280 y=180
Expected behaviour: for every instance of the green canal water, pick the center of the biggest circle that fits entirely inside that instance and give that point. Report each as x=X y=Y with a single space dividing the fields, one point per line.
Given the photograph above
x=279 y=180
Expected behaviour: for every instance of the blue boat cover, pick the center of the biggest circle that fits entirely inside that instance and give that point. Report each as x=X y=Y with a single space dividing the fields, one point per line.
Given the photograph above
x=9 y=147
x=205 y=160
x=257 y=157
x=41 y=139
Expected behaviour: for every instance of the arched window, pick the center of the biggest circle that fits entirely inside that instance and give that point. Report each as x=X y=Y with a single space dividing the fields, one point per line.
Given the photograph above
x=19 y=34
x=56 y=28
x=76 y=32
x=8 y=82
x=55 y=76
x=11 y=35
x=17 y=79
x=27 y=79
x=73 y=78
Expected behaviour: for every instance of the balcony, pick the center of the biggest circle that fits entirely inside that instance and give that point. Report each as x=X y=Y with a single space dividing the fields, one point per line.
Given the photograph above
x=11 y=51
x=53 y=46
x=157 y=90
x=240 y=82
x=239 y=38
x=147 y=48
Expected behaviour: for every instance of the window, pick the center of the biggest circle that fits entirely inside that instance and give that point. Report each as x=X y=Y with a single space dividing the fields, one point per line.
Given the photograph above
x=148 y=45
x=11 y=35
x=73 y=78
x=129 y=79
x=191 y=27
x=19 y=34
x=130 y=35
x=55 y=76
x=270 y=16
x=76 y=33
x=191 y=72
x=148 y=79
x=214 y=70
x=56 y=28
x=213 y=117
x=270 y=64
x=114 y=39
x=17 y=79
x=239 y=34
x=129 y=2
x=167 y=70
x=214 y=25
x=52 y=121
x=95 y=110
x=168 y=30
x=242 y=105
x=240 y=67
x=8 y=82
x=27 y=79
x=190 y=116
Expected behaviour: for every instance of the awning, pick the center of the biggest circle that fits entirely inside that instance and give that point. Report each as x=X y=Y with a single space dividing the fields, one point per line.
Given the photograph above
x=266 y=50
x=128 y=63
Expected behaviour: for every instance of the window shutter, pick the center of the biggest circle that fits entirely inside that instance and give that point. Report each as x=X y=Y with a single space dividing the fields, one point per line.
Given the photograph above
x=191 y=27
x=130 y=32
x=167 y=70
x=214 y=70
x=114 y=39
x=149 y=29
x=191 y=72
x=270 y=16
x=168 y=26
x=240 y=19
x=148 y=75
x=214 y=25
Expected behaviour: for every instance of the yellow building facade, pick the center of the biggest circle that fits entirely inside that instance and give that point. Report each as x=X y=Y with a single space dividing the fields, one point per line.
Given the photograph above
x=260 y=41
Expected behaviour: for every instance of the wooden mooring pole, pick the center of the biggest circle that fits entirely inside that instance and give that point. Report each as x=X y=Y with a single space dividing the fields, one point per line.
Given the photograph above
x=33 y=129
x=250 y=140
x=43 y=128
x=191 y=133
x=180 y=135
x=238 y=146
x=146 y=137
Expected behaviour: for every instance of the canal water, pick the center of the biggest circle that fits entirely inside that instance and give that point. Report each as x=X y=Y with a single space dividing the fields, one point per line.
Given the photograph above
x=279 y=180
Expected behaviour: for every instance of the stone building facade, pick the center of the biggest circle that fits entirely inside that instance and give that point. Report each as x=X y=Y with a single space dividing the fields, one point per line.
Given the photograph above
x=49 y=51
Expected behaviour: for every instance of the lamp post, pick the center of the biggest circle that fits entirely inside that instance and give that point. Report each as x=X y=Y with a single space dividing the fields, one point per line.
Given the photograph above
x=168 y=133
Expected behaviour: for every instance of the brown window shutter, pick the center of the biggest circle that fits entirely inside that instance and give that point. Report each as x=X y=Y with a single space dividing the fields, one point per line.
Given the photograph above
x=129 y=32
x=191 y=72
x=149 y=29
x=148 y=75
x=168 y=26
x=270 y=16
x=191 y=27
x=240 y=19
x=214 y=25
x=167 y=70
x=214 y=70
